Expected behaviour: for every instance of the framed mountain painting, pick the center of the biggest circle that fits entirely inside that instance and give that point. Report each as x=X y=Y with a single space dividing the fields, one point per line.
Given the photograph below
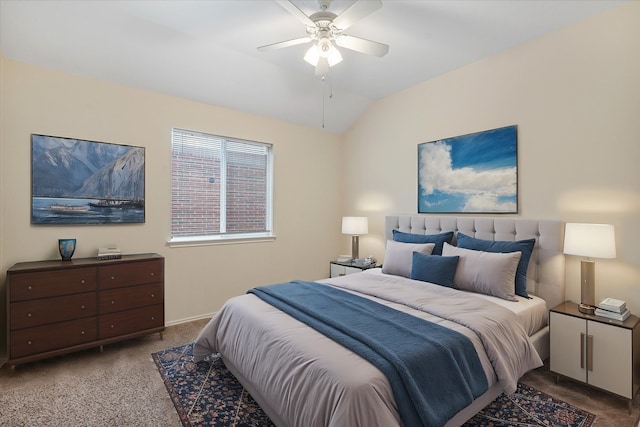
x=74 y=181
x=474 y=173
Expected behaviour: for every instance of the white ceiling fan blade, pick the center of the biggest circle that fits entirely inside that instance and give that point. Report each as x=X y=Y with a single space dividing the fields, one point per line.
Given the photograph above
x=365 y=46
x=293 y=9
x=356 y=12
x=322 y=68
x=284 y=44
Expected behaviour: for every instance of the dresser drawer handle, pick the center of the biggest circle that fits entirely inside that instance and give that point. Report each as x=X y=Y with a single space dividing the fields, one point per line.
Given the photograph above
x=82 y=333
x=29 y=287
x=82 y=281
x=29 y=342
x=152 y=274
x=29 y=315
x=113 y=277
x=113 y=302
x=82 y=307
x=153 y=295
x=111 y=326
x=153 y=318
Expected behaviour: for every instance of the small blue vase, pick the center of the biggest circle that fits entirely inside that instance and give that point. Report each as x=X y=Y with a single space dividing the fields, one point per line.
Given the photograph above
x=66 y=247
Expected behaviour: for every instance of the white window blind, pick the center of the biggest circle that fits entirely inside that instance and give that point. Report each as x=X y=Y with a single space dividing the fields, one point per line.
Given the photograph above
x=220 y=187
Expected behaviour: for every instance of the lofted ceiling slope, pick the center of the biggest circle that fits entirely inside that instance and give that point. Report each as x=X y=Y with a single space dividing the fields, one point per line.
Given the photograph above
x=207 y=50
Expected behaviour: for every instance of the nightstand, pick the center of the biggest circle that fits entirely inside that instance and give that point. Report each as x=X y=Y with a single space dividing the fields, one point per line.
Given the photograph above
x=344 y=268
x=600 y=352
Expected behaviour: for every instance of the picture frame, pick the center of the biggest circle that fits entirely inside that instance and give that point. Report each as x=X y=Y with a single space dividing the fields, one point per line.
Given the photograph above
x=473 y=173
x=76 y=181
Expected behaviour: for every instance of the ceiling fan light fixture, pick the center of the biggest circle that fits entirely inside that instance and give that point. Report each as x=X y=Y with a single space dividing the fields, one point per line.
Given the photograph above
x=323 y=49
x=313 y=55
x=333 y=55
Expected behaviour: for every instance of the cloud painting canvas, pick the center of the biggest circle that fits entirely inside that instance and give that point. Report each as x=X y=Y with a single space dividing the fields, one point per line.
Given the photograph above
x=475 y=173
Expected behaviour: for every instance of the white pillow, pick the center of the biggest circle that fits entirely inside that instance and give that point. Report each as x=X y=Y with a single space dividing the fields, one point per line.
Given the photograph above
x=485 y=272
x=398 y=256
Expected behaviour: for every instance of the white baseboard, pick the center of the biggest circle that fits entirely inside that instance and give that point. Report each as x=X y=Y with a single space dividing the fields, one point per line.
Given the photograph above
x=190 y=319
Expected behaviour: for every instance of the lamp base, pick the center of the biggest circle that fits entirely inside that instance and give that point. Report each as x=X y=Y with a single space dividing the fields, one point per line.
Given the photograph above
x=586 y=309
x=354 y=247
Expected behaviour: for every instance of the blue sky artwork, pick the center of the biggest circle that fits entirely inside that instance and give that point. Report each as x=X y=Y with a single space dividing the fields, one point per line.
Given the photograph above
x=475 y=173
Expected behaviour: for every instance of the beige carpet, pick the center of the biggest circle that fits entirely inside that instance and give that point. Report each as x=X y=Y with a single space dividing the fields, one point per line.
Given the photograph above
x=122 y=387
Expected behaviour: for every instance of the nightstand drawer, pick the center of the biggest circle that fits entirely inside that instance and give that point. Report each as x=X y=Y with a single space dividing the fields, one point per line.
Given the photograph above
x=343 y=268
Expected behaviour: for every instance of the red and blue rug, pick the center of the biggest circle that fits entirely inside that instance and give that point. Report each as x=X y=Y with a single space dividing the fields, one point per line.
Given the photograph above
x=206 y=394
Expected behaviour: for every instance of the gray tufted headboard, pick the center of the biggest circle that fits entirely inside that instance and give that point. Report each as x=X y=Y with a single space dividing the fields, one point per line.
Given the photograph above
x=545 y=275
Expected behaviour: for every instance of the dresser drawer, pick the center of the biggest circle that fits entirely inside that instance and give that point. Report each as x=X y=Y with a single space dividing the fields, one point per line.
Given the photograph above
x=24 y=286
x=125 y=274
x=125 y=322
x=30 y=341
x=26 y=314
x=121 y=299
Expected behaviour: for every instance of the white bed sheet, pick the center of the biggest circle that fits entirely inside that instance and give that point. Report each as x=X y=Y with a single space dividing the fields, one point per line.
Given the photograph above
x=532 y=313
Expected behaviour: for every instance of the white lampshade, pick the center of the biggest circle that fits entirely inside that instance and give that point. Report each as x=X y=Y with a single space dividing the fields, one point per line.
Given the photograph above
x=312 y=55
x=590 y=240
x=355 y=225
x=325 y=49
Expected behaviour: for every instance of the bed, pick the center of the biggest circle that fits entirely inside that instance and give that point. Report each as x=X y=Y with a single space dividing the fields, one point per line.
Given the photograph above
x=300 y=377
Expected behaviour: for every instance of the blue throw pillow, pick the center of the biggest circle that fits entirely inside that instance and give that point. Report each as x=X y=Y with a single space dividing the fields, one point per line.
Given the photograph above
x=523 y=246
x=434 y=269
x=438 y=239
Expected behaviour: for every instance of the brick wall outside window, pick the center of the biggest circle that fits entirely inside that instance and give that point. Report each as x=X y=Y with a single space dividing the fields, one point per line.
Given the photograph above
x=196 y=189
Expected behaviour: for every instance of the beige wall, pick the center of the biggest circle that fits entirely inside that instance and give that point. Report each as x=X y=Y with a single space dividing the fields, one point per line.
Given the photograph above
x=575 y=96
x=307 y=207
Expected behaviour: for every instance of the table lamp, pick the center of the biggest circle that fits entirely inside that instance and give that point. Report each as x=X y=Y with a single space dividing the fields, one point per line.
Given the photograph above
x=356 y=226
x=590 y=241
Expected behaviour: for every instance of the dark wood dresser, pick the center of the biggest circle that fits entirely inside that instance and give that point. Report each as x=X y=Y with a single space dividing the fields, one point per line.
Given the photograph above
x=57 y=307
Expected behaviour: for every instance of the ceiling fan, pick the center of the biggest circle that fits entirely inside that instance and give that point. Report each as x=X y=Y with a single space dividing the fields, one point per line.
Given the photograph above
x=325 y=28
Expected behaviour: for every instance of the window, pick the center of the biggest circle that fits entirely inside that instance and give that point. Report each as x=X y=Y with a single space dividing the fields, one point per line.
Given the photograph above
x=221 y=187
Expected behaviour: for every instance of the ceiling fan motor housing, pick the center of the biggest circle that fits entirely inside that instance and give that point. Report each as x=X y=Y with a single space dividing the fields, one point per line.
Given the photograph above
x=323 y=27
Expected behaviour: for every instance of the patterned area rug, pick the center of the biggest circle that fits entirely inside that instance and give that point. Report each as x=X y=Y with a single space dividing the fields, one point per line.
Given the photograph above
x=206 y=394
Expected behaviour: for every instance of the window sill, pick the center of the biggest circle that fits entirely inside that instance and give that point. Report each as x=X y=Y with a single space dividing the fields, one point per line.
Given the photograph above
x=189 y=241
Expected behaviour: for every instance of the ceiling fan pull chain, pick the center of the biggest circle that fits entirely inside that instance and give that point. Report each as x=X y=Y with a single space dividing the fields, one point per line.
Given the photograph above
x=323 y=102
x=330 y=85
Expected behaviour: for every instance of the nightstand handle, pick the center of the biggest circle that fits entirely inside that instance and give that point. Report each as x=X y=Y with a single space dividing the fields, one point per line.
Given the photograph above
x=581 y=350
x=589 y=352
x=589 y=348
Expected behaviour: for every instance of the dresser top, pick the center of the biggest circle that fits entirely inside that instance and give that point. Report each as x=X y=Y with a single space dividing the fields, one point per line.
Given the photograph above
x=79 y=262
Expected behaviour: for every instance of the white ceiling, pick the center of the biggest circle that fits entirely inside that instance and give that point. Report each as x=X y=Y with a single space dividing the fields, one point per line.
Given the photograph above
x=206 y=50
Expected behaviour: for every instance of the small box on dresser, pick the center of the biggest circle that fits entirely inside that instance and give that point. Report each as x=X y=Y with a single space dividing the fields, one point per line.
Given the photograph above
x=57 y=307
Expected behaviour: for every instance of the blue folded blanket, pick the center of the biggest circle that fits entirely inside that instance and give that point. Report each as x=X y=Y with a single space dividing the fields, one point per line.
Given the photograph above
x=434 y=371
